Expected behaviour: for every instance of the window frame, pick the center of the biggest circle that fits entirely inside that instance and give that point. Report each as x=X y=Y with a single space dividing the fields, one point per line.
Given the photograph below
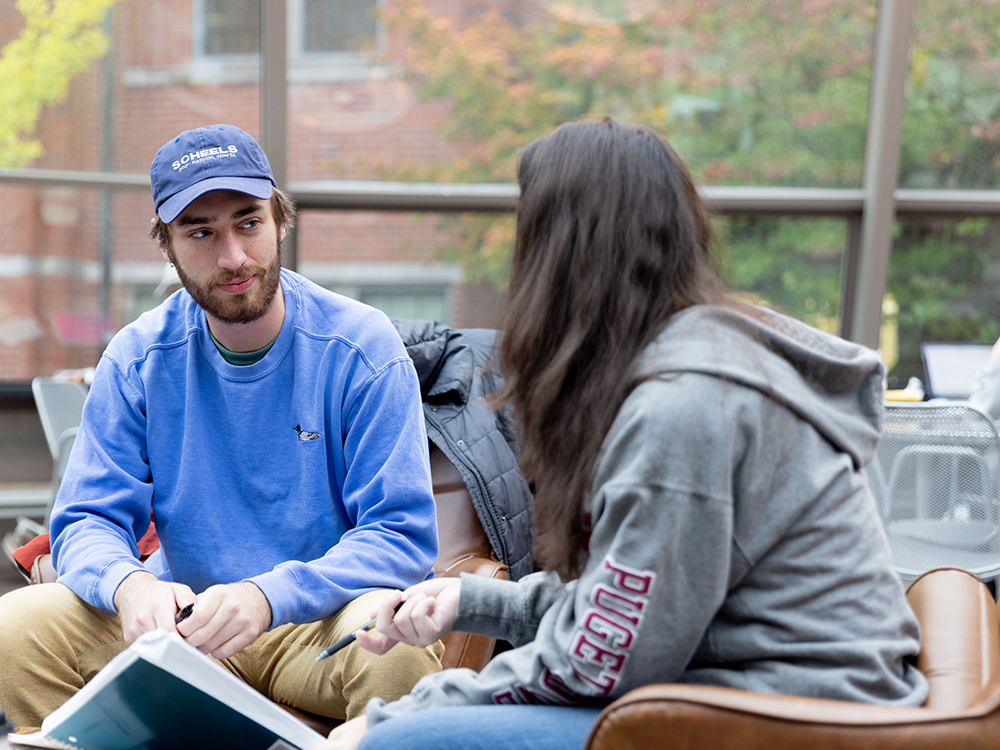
x=302 y=66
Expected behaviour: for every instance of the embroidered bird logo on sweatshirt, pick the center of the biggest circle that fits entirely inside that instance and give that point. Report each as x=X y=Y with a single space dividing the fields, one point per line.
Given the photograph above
x=306 y=435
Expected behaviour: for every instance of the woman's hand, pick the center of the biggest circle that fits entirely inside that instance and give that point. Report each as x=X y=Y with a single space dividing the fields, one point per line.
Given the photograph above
x=347 y=735
x=427 y=613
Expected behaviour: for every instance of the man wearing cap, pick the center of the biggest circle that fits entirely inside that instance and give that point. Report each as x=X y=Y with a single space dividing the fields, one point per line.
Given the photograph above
x=274 y=431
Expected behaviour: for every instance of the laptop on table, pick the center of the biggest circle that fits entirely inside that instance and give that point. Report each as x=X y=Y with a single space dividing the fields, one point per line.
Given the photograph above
x=950 y=368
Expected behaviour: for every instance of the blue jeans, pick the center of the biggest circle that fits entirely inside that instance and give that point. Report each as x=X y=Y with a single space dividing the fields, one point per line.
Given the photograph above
x=484 y=728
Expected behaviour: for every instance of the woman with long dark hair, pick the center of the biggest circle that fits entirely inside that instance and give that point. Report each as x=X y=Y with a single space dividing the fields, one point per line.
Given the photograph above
x=701 y=512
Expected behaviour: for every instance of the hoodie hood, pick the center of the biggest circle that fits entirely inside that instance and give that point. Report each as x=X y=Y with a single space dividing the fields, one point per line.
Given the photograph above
x=831 y=383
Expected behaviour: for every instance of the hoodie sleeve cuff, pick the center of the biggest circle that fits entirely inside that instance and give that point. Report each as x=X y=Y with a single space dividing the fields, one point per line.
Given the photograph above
x=502 y=609
x=378 y=710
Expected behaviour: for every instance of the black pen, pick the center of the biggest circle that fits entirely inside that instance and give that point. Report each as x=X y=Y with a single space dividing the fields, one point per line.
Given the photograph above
x=185 y=612
x=348 y=639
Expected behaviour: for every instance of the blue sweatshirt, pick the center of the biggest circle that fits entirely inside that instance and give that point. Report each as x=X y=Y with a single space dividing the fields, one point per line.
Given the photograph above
x=306 y=473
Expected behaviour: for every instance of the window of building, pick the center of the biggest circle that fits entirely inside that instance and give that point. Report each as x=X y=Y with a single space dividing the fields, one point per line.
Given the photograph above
x=337 y=25
x=315 y=27
x=230 y=27
x=423 y=304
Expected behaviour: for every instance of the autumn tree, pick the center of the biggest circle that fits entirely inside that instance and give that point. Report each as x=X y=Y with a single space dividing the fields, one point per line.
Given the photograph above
x=747 y=96
x=749 y=93
x=59 y=39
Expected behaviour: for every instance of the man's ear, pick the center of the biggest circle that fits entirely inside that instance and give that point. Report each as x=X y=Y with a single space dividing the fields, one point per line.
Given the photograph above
x=284 y=231
x=163 y=250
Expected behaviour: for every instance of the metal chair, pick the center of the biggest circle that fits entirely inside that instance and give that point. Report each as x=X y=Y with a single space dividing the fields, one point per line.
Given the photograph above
x=60 y=408
x=936 y=480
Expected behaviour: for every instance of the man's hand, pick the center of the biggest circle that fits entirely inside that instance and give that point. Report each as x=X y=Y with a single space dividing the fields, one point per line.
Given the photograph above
x=347 y=735
x=145 y=603
x=427 y=613
x=227 y=618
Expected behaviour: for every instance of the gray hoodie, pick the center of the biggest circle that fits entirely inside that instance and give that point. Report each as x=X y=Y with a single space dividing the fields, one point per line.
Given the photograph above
x=734 y=539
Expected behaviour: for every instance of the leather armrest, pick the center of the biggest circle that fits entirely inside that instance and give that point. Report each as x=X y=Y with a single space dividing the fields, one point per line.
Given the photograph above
x=959 y=636
x=467 y=649
x=489 y=567
x=699 y=717
x=42 y=570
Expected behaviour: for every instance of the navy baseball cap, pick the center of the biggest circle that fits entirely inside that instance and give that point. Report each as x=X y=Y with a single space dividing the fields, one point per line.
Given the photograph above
x=215 y=157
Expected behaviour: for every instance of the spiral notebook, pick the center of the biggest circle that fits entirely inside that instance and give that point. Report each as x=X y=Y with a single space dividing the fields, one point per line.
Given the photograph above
x=161 y=693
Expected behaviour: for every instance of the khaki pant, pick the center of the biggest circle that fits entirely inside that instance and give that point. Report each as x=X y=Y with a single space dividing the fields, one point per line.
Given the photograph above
x=52 y=643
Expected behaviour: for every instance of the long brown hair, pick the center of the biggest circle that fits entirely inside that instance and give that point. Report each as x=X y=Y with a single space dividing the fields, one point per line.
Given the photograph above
x=612 y=239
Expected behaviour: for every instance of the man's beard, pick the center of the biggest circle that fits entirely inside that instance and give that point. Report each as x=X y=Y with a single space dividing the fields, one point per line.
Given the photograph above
x=238 y=308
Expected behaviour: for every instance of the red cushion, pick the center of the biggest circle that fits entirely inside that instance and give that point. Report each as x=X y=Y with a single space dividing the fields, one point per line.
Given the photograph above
x=25 y=554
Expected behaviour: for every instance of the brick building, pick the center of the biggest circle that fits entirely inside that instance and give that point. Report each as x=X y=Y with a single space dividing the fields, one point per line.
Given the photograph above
x=178 y=64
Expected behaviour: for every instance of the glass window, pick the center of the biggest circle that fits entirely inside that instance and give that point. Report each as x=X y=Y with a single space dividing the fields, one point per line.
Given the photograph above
x=944 y=285
x=51 y=315
x=944 y=274
x=338 y=25
x=951 y=129
x=421 y=304
x=792 y=265
x=232 y=27
x=750 y=92
x=392 y=261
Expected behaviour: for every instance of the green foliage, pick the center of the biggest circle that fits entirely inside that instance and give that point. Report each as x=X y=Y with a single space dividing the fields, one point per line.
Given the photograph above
x=750 y=92
x=60 y=39
x=951 y=131
x=800 y=271
x=940 y=271
x=939 y=276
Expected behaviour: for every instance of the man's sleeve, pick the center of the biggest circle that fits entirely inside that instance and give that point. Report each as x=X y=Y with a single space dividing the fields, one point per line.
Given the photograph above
x=103 y=506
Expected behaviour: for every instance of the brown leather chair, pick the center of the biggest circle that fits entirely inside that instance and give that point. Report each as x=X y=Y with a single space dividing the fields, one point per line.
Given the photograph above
x=960 y=656
x=462 y=548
